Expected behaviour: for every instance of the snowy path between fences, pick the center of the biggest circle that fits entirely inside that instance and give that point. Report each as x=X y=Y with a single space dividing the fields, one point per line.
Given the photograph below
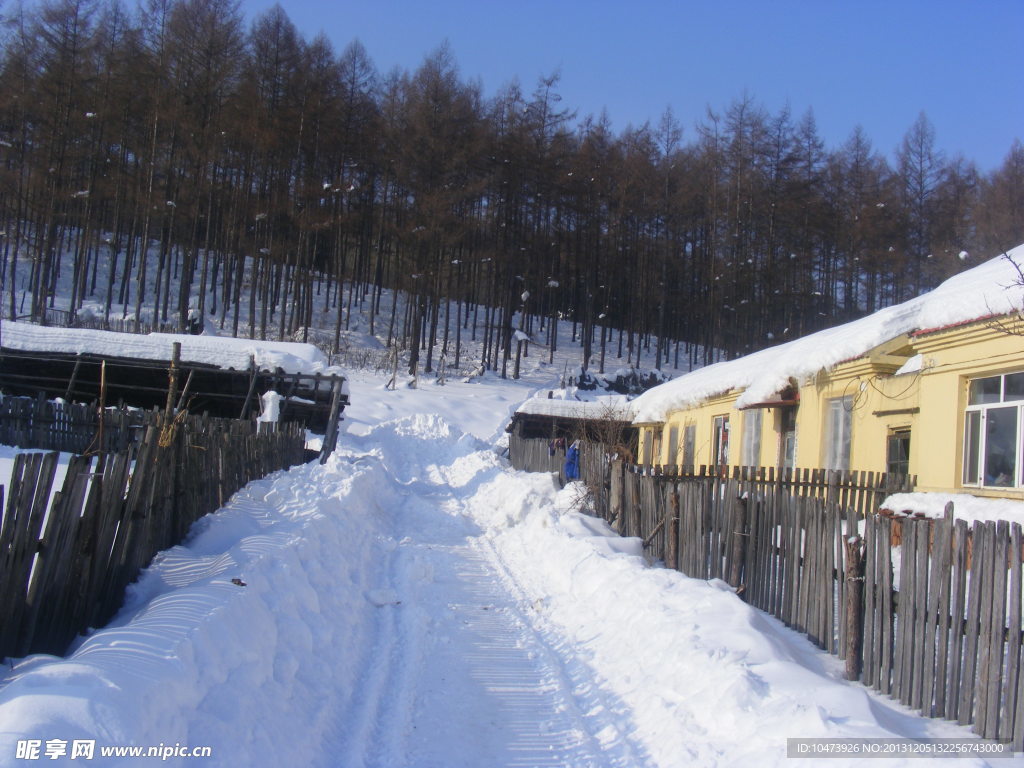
x=414 y=602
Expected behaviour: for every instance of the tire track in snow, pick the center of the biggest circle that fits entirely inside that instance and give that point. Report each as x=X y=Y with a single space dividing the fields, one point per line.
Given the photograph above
x=456 y=674
x=605 y=717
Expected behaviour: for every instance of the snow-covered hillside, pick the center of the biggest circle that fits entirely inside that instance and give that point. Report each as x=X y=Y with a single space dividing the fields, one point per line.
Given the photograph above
x=415 y=602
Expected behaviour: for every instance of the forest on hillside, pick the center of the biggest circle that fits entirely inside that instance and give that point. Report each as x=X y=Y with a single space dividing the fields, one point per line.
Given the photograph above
x=167 y=152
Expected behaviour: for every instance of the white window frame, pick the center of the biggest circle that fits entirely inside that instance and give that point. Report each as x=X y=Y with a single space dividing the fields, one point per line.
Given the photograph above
x=838 y=432
x=720 y=441
x=976 y=470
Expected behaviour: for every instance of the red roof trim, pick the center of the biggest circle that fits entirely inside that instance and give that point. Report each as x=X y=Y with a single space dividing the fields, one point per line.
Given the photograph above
x=951 y=326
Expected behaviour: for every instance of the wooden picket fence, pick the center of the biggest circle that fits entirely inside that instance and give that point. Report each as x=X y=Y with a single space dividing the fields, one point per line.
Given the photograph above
x=56 y=425
x=926 y=611
x=536 y=456
x=66 y=557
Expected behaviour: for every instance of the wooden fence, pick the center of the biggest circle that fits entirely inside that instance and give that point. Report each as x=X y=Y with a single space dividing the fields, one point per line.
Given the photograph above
x=926 y=611
x=64 y=565
x=55 y=425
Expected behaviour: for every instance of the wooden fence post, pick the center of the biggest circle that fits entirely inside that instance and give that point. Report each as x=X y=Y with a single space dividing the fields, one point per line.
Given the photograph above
x=615 y=496
x=672 y=532
x=172 y=377
x=854 y=604
x=739 y=543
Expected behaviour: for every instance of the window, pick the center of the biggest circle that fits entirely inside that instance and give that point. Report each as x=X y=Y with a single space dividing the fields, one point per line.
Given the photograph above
x=837 y=432
x=992 y=429
x=897 y=453
x=673 y=446
x=751 y=449
x=787 y=438
x=689 y=444
x=720 y=442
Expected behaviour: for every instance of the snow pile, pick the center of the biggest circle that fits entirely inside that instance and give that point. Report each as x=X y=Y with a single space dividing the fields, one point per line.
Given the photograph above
x=965 y=506
x=231 y=640
x=993 y=288
x=700 y=677
x=219 y=351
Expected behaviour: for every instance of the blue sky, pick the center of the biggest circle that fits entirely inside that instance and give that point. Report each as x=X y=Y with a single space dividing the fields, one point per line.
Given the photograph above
x=877 y=63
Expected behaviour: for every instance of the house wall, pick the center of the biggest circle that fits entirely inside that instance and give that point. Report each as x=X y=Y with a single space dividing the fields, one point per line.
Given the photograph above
x=951 y=359
x=929 y=402
x=702 y=417
x=879 y=403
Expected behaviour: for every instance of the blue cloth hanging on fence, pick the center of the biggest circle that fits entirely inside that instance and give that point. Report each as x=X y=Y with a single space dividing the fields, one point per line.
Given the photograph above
x=572 y=462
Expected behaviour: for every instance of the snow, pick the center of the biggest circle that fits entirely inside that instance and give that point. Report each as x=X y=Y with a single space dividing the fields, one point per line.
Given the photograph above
x=270 y=410
x=990 y=289
x=416 y=602
x=965 y=506
x=219 y=351
x=914 y=364
x=564 y=403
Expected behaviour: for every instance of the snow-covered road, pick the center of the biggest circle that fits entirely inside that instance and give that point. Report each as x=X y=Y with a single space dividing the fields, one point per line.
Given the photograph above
x=456 y=674
x=415 y=602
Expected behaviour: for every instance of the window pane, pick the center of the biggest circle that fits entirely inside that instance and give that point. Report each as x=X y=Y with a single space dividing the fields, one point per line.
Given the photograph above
x=720 y=455
x=1013 y=387
x=689 y=443
x=752 y=438
x=673 y=446
x=972 y=444
x=898 y=458
x=984 y=390
x=787 y=430
x=1000 y=446
x=837 y=446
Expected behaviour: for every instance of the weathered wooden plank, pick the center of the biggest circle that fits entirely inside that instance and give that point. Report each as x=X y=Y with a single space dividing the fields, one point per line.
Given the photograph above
x=986 y=570
x=999 y=541
x=886 y=613
x=957 y=611
x=938 y=614
x=24 y=545
x=854 y=573
x=869 y=671
x=920 y=614
x=1012 y=704
x=966 y=707
x=902 y=626
x=835 y=595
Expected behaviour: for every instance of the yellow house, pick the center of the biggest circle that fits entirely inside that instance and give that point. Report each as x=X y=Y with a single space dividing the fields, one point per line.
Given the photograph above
x=933 y=387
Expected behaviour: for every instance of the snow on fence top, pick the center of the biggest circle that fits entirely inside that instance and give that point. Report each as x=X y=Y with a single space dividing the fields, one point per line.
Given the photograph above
x=965 y=506
x=990 y=289
x=217 y=351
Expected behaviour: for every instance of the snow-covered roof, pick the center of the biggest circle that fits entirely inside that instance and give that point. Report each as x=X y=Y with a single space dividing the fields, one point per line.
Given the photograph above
x=219 y=351
x=603 y=407
x=992 y=288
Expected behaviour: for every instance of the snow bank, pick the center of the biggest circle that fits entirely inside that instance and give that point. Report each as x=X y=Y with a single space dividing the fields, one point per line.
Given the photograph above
x=965 y=506
x=703 y=678
x=989 y=289
x=235 y=639
x=219 y=351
